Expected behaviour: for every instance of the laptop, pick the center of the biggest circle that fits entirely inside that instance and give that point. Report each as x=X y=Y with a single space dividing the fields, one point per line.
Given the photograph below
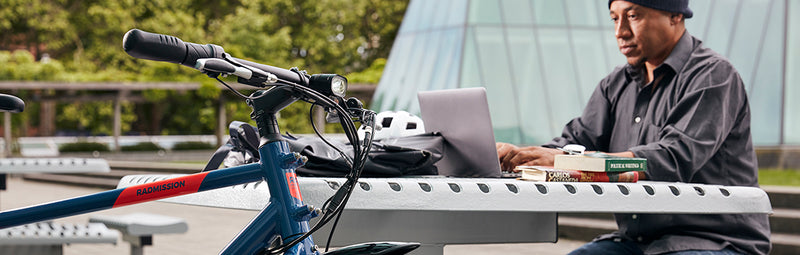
x=462 y=117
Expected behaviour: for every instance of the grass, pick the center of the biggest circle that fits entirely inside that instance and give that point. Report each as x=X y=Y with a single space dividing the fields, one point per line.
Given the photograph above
x=780 y=177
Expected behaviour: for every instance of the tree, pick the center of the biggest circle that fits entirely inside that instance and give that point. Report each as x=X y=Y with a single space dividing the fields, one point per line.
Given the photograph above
x=33 y=25
x=84 y=37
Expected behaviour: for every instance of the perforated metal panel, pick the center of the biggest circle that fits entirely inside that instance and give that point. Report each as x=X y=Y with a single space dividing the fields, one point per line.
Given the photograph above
x=53 y=165
x=470 y=194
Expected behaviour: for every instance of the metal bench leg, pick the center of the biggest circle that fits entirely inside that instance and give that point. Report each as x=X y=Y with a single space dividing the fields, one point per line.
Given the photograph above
x=138 y=243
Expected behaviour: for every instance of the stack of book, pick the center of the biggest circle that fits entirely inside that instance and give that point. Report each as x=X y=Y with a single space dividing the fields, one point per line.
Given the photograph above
x=592 y=167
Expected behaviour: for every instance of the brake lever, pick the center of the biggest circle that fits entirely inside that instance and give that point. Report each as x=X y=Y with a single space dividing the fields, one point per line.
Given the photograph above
x=354 y=107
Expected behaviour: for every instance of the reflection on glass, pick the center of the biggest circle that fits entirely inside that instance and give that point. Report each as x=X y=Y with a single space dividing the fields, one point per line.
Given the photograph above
x=429 y=12
x=583 y=13
x=408 y=89
x=411 y=17
x=792 y=96
x=697 y=24
x=528 y=81
x=548 y=12
x=493 y=56
x=457 y=13
x=590 y=58
x=747 y=38
x=516 y=12
x=719 y=31
x=560 y=77
x=440 y=18
x=484 y=12
x=765 y=87
x=471 y=71
x=395 y=73
x=446 y=57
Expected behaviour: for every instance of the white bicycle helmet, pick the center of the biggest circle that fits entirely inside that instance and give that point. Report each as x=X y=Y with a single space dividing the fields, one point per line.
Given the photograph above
x=390 y=124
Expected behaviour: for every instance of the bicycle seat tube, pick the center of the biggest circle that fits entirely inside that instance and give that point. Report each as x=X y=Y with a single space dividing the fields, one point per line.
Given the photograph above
x=286 y=210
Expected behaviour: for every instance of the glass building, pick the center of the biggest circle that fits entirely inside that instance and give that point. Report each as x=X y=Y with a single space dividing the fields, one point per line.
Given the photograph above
x=541 y=59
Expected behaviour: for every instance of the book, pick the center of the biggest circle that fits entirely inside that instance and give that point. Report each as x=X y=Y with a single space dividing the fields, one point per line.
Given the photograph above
x=549 y=174
x=599 y=162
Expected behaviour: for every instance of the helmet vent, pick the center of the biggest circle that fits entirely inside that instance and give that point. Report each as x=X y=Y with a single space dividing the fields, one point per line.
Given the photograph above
x=386 y=122
x=411 y=125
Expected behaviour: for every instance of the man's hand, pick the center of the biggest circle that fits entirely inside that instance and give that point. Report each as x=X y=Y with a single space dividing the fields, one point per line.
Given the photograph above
x=511 y=156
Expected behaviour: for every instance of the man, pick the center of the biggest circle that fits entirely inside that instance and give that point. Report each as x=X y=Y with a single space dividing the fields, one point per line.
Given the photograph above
x=684 y=108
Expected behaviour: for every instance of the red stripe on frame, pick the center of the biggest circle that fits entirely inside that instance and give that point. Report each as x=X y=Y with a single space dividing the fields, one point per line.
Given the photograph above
x=294 y=189
x=160 y=189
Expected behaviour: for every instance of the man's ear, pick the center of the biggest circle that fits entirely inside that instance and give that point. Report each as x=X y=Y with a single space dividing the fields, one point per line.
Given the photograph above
x=675 y=18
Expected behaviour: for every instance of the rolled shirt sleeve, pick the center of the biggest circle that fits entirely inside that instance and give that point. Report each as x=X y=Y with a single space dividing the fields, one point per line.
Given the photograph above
x=593 y=128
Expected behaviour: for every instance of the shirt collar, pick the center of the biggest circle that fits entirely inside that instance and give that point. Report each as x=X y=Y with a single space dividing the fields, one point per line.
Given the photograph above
x=680 y=54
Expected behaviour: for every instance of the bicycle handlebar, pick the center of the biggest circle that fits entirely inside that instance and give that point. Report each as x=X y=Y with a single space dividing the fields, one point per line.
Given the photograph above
x=158 y=47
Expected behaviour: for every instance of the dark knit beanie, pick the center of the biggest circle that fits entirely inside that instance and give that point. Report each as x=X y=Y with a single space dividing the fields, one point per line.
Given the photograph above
x=674 y=6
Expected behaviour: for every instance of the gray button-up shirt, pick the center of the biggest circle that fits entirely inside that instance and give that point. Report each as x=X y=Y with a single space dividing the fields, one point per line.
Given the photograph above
x=692 y=124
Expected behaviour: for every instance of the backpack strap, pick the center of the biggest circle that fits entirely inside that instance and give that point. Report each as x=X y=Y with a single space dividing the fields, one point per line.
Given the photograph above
x=243 y=138
x=218 y=157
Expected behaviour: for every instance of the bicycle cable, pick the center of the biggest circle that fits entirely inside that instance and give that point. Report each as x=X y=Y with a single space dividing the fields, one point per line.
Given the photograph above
x=333 y=206
x=368 y=144
x=316 y=131
x=356 y=169
x=231 y=88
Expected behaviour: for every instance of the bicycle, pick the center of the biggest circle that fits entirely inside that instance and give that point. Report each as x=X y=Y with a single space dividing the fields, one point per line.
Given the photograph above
x=282 y=227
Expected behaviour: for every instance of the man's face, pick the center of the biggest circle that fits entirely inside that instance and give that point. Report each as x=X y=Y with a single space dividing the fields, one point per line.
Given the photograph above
x=643 y=34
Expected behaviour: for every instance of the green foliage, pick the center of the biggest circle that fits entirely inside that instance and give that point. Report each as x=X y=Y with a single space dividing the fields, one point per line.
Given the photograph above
x=20 y=65
x=143 y=146
x=335 y=36
x=83 y=147
x=371 y=75
x=155 y=95
x=192 y=145
x=294 y=118
x=83 y=38
x=95 y=117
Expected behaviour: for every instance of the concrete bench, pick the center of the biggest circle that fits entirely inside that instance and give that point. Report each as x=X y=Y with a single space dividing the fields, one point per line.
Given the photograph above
x=138 y=228
x=49 y=237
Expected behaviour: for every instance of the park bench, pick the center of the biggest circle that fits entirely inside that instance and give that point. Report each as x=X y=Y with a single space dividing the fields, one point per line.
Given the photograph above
x=49 y=238
x=138 y=228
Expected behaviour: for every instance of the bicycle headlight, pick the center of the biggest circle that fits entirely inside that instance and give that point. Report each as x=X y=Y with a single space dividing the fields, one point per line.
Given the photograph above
x=328 y=84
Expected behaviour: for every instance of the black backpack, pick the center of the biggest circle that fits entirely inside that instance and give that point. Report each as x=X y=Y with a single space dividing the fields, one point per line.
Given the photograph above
x=390 y=157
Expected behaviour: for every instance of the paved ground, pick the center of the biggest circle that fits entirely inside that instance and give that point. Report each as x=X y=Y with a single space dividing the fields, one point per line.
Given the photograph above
x=209 y=228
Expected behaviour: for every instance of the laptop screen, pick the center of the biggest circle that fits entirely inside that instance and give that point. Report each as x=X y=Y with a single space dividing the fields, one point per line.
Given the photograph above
x=462 y=117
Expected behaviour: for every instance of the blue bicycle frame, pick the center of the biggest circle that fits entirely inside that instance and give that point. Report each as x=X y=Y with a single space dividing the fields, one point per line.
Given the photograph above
x=285 y=216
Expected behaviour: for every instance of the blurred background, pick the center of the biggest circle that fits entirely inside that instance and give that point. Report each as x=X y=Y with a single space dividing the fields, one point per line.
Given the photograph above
x=65 y=59
x=538 y=59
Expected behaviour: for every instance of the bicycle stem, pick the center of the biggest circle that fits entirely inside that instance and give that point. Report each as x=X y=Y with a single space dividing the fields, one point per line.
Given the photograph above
x=267 y=103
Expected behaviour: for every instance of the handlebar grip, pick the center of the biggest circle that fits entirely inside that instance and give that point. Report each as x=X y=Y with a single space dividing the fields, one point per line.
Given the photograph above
x=158 y=47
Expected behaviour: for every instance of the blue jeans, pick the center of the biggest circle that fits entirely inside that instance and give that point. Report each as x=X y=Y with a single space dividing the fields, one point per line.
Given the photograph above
x=627 y=247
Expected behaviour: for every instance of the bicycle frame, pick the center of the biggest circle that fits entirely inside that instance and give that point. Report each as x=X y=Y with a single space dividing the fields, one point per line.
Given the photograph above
x=285 y=215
